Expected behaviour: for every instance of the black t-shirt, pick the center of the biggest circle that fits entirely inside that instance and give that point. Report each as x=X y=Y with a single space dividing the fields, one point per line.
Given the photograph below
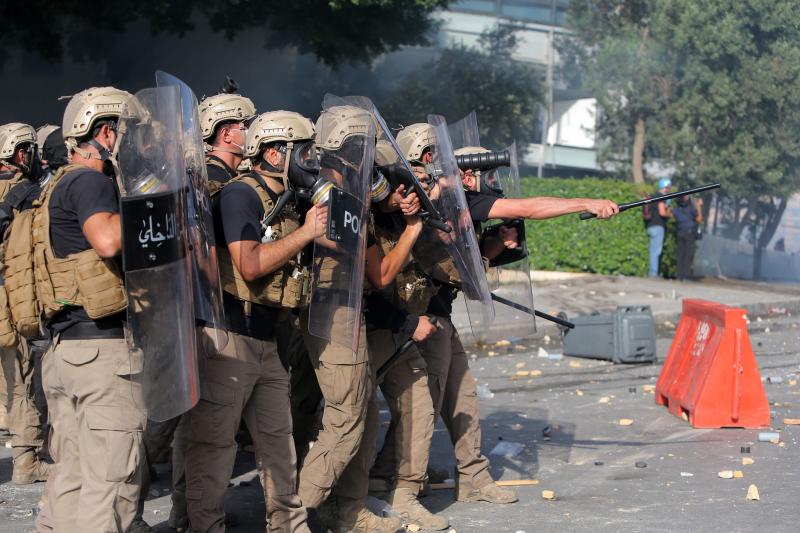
x=217 y=173
x=238 y=212
x=442 y=303
x=655 y=217
x=79 y=195
x=479 y=205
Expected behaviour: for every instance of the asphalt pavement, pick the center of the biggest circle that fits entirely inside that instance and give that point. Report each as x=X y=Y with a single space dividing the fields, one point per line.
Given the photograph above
x=560 y=425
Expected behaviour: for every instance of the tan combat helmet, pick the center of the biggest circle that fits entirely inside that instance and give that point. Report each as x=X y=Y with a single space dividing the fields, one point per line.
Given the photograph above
x=277 y=126
x=42 y=133
x=224 y=107
x=339 y=123
x=12 y=135
x=385 y=153
x=85 y=109
x=413 y=140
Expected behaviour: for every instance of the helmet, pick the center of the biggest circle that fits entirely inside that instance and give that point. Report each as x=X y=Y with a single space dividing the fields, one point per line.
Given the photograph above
x=414 y=139
x=87 y=106
x=469 y=150
x=384 y=153
x=277 y=126
x=342 y=123
x=42 y=132
x=663 y=183
x=223 y=108
x=12 y=135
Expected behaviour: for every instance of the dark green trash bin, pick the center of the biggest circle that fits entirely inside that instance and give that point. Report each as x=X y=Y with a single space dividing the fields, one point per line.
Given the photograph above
x=627 y=335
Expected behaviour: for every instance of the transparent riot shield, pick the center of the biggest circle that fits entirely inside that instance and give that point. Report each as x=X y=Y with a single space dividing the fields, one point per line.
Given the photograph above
x=461 y=243
x=206 y=286
x=465 y=132
x=510 y=272
x=156 y=261
x=346 y=144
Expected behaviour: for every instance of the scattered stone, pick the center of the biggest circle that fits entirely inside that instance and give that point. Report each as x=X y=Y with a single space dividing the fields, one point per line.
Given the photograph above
x=484 y=392
x=520 y=365
x=575 y=364
x=579 y=392
x=542 y=353
x=625 y=421
x=523 y=373
x=769 y=436
x=726 y=474
x=640 y=464
x=604 y=399
x=507 y=449
x=791 y=421
x=599 y=463
x=413 y=528
x=503 y=342
x=649 y=388
x=738 y=474
x=774 y=380
x=548 y=495
x=752 y=493
x=687 y=474
x=747 y=461
x=536 y=373
x=492 y=354
x=792 y=382
x=546 y=339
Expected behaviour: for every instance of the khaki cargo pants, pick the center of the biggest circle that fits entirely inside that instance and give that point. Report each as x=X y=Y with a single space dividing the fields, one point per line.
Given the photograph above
x=245 y=378
x=455 y=397
x=24 y=419
x=97 y=418
x=403 y=459
x=343 y=451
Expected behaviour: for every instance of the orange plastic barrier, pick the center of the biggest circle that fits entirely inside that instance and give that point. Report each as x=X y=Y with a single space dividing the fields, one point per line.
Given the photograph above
x=711 y=375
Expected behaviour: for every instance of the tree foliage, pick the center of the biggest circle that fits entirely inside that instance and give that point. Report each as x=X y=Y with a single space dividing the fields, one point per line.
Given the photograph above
x=336 y=31
x=505 y=93
x=718 y=82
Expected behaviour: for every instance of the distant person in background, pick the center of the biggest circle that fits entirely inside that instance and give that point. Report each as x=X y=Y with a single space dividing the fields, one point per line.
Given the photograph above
x=688 y=216
x=655 y=219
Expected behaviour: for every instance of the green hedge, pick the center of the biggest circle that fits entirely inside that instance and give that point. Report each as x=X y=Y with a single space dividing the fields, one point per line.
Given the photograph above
x=615 y=246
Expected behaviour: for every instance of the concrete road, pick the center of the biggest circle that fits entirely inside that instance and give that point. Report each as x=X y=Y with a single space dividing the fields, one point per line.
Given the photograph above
x=588 y=459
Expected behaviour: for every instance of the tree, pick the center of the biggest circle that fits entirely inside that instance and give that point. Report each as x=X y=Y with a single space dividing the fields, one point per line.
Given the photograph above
x=725 y=78
x=336 y=31
x=612 y=53
x=505 y=93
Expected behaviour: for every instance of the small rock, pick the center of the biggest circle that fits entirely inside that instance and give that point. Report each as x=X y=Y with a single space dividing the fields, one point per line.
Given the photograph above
x=542 y=353
x=520 y=365
x=413 y=528
x=536 y=373
x=575 y=364
x=752 y=493
x=604 y=399
x=491 y=354
x=792 y=382
x=579 y=392
x=503 y=343
x=726 y=474
x=649 y=388
x=625 y=422
x=546 y=339
x=791 y=421
x=640 y=464
x=738 y=474
x=523 y=373
x=687 y=474
x=747 y=461
x=548 y=495
x=599 y=463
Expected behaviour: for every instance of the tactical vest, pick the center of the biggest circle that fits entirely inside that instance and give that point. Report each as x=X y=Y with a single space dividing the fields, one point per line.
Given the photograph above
x=40 y=284
x=213 y=185
x=8 y=333
x=287 y=287
x=411 y=290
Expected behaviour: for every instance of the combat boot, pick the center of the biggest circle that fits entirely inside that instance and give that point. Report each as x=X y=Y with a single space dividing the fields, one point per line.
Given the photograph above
x=491 y=492
x=359 y=519
x=178 y=519
x=28 y=468
x=379 y=488
x=404 y=502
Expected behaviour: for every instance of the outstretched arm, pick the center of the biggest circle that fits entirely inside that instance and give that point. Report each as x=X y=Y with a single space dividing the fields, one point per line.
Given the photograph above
x=542 y=207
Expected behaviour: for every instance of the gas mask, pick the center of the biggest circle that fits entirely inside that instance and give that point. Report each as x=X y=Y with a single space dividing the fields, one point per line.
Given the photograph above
x=380 y=186
x=33 y=165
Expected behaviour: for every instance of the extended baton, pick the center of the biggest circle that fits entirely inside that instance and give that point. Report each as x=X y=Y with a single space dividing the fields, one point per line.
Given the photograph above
x=400 y=351
x=536 y=312
x=657 y=198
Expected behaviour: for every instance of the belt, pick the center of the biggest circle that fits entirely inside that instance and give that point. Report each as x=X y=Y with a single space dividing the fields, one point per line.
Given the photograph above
x=89 y=330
